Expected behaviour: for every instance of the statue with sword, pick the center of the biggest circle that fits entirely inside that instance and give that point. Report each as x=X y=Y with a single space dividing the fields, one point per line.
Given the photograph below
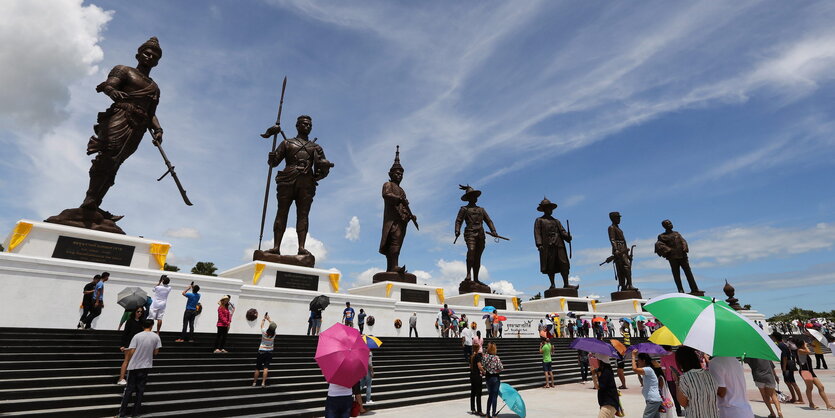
x=474 y=236
x=305 y=165
x=118 y=133
x=621 y=258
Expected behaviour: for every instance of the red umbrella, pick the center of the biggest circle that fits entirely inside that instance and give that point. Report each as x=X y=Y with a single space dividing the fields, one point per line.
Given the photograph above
x=342 y=355
x=501 y=318
x=598 y=319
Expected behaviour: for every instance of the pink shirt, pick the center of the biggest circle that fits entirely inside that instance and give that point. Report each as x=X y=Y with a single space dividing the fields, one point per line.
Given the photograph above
x=480 y=342
x=668 y=363
x=224 y=317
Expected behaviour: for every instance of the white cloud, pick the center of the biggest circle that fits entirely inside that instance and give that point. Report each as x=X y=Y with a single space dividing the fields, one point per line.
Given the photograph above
x=504 y=287
x=183 y=232
x=365 y=277
x=573 y=279
x=593 y=296
x=423 y=277
x=49 y=46
x=290 y=246
x=352 y=231
x=572 y=201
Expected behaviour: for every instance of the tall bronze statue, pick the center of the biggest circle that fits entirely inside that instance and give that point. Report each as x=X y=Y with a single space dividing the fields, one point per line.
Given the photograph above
x=622 y=256
x=396 y=218
x=305 y=165
x=672 y=246
x=550 y=238
x=474 y=236
x=118 y=133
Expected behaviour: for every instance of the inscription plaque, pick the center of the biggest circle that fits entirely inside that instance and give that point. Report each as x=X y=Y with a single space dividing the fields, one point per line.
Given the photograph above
x=80 y=249
x=296 y=280
x=500 y=304
x=412 y=295
x=578 y=306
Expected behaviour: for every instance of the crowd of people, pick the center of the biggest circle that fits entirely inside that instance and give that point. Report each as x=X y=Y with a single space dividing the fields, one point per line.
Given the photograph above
x=685 y=381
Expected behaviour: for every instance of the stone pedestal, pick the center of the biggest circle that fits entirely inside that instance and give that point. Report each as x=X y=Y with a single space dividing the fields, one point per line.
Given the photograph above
x=624 y=306
x=306 y=260
x=559 y=304
x=470 y=286
x=51 y=240
x=504 y=303
x=266 y=274
x=402 y=292
x=626 y=294
x=561 y=292
x=393 y=276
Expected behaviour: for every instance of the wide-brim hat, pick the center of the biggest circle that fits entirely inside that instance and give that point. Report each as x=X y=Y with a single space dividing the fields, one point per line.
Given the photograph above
x=469 y=192
x=546 y=204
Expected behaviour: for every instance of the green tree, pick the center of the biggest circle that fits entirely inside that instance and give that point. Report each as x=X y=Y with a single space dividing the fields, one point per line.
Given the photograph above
x=206 y=268
x=1 y=248
x=170 y=267
x=538 y=295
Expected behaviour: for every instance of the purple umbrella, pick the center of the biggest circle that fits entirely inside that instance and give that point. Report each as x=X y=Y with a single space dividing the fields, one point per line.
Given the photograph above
x=593 y=345
x=649 y=348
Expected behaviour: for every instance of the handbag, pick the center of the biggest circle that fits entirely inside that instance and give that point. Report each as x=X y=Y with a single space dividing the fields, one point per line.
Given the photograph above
x=355 y=409
x=667 y=404
x=781 y=397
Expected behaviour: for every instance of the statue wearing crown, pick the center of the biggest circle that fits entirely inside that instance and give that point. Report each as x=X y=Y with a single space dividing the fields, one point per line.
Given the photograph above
x=396 y=217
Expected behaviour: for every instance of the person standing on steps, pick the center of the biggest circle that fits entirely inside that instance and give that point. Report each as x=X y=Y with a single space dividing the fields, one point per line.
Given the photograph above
x=467 y=342
x=476 y=384
x=488 y=326
x=98 y=300
x=265 y=351
x=141 y=351
x=87 y=302
x=361 y=320
x=365 y=382
x=492 y=368
x=477 y=340
x=413 y=325
x=190 y=313
x=133 y=326
x=224 y=320
x=446 y=321
x=161 y=291
x=348 y=315
x=546 y=349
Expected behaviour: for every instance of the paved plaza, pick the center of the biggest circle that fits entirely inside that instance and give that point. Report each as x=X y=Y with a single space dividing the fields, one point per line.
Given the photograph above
x=577 y=400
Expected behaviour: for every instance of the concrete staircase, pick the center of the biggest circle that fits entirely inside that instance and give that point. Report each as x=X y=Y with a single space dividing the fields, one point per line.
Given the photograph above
x=51 y=372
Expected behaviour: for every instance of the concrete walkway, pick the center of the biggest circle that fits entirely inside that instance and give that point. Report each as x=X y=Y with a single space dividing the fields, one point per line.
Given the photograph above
x=580 y=401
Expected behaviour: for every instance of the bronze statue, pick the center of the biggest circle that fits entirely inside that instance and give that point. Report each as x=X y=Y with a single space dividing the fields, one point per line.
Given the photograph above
x=305 y=166
x=731 y=300
x=474 y=236
x=118 y=133
x=672 y=246
x=622 y=256
x=396 y=218
x=550 y=238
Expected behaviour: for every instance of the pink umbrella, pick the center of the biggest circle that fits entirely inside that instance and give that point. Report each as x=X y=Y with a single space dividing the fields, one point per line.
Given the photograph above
x=342 y=355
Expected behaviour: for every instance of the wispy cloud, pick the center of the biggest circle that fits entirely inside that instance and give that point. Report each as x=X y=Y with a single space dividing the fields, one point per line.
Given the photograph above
x=352 y=231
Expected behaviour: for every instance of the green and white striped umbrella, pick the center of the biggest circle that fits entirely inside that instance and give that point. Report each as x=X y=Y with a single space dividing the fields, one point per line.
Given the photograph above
x=712 y=327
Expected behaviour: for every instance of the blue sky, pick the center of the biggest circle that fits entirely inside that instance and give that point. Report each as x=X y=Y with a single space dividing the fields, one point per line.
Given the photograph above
x=716 y=115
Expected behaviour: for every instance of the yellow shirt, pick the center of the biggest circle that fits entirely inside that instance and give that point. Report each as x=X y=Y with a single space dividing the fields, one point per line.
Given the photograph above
x=816 y=347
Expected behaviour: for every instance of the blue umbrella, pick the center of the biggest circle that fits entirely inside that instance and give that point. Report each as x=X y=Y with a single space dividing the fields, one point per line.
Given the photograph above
x=629 y=320
x=640 y=318
x=512 y=399
x=488 y=309
x=593 y=345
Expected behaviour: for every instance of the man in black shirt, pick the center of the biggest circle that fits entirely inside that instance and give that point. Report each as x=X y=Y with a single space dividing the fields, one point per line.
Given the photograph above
x=87 y=302
x=447 y=321
x=607 y=394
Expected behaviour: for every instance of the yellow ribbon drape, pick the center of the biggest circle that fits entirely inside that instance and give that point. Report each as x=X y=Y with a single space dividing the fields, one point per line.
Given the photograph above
x=256 y=275
x=594 y=305
x=160 y=253
x=334 y=277
x=562 y=304
x=440 y=292
x=21 y=230
x=516 y=303
x=388 y=289
x=636 y=305
x=475 y=299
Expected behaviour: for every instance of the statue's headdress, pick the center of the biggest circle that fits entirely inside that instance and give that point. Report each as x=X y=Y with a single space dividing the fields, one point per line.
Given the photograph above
x=152 y=43
x=469 y=192
x=546 y=204
x=396 y=165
